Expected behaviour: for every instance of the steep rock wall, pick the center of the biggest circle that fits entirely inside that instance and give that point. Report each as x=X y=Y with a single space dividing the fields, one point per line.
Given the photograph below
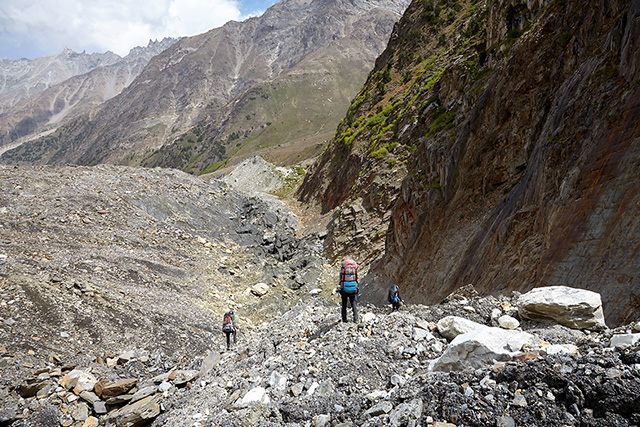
x=523 y=163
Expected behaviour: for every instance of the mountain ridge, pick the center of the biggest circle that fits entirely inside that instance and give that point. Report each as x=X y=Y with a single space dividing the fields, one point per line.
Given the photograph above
x=53 y=89
x=184 y=101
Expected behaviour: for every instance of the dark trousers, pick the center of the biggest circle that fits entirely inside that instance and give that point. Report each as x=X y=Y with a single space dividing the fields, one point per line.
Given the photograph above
x=351 y=298
x=228 y=334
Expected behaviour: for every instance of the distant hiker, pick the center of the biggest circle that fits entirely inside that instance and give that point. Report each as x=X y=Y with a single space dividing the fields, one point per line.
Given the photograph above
x=229 y=327
x=348 y=287
x=394 y=297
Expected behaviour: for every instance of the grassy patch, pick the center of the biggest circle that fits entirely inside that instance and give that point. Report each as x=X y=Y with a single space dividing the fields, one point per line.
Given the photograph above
x=443 y=121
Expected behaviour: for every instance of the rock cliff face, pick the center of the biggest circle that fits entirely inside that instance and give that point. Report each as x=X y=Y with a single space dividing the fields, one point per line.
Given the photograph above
x=50 y=90
x=496 y=143
x=285 y=77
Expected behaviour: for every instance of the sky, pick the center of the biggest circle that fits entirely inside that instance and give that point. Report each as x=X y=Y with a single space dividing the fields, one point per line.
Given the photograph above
x=33 y=28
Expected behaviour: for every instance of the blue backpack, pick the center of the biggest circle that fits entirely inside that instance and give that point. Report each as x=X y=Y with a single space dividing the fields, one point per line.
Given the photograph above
x=394 y=294
x=349 y=276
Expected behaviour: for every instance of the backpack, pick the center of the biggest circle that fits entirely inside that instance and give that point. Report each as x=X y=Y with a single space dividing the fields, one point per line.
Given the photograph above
x=227 y=322
x=349 y=276
x=394 y=294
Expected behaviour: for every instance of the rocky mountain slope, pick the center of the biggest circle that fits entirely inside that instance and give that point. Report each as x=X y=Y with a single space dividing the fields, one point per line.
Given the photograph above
x=494 y=143
x=114 y=280
x=282 y=80
x=24 y=78
x=46 y=92
x=105 y=256
x=307 y=368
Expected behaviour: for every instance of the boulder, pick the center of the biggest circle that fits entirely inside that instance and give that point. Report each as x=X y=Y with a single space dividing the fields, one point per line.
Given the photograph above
x=622 y=341
x=260 y=289
x=143 y=392
x=91 y=422
x=183 y=376
x=209 y=362
x=481 y=346
x=508 y=322
x=550 y=349
x=136 y=414
x=79 y=381
x=408 y=413
x=452 y=326
x=255 y=396
x=278 y=381
x=368 y=317
x=117 y=388
x=571 y=307
x=100 y=407
x=379 y=409
x=420 y=334
x=31 y=388
x=89 y=396
x=322 y=420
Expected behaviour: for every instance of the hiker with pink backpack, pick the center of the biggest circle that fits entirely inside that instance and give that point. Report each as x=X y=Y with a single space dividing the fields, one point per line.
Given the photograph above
x=229 y=327
x=348 y=287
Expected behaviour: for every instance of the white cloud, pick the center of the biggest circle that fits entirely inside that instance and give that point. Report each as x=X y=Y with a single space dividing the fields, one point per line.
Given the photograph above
x=116 y=25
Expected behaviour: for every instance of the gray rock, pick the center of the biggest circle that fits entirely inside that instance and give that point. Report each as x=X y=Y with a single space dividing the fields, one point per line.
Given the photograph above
x=312 y=388
x=260 y=289
x=397 y=379
x=379 y=409
x=505 y=421
x=480 y=347
x=89 y=396
x=126 y=356
x=8 y=413
x=100 y=408
x=406 y=413
x=136 y=414
x=255 y=396
x=452 y=326
x=322 y=420
x=165 y=386
x=119 y=400
x=184 y=376
x=142 y=393
x=622 y=341
x=508 y=322
x=420 y=334
x=209 y=362
x=80 y=412
x=297 y=389
x=116 y=388
x=278 y=381
x=368 y=317
x=30 y=389
x=325 y=388
x=571 y=307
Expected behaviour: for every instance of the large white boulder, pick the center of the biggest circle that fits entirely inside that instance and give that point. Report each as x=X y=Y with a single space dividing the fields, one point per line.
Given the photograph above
x=452 y=326
x=571 y=307
x=480 y=347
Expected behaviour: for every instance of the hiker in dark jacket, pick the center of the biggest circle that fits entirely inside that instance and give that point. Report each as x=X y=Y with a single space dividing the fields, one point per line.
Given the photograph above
x=348 y=287
x=229 y=327
x=394 y=297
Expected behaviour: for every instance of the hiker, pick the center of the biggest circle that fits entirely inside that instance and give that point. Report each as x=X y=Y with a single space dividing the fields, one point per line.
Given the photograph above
x=348 y=287
x=394 y=297
x=229 y=327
